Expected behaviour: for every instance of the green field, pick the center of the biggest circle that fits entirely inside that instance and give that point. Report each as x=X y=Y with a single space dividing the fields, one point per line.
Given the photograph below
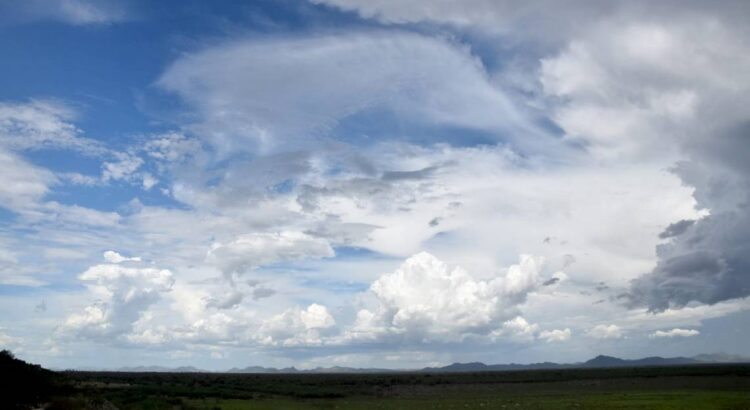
x=684 y=387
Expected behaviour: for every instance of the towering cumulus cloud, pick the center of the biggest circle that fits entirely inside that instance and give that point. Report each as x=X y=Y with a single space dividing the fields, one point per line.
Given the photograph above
x=672 y=91
x=125 y=292
x=426 y=299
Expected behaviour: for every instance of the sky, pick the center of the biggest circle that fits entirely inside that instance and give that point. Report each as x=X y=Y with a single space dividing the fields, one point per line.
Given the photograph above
x=372 y=183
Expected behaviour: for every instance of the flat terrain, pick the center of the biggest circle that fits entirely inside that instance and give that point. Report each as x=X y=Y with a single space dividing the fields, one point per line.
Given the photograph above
x=676 y=387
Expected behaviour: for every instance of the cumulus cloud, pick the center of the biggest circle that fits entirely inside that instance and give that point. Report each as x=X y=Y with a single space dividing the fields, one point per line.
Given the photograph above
x=123 y=292
x=669 y=94
x=676 y=332
x=635 y=87
x=555 y=335
x=249 y=251
x=297 y=327
x=606 y=332
x=517 y=328
x=425 y=298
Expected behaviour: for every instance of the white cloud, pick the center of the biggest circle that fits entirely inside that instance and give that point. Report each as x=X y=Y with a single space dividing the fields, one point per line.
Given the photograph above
x=676 y=332
x=114 y=257
x=425 y=298
x=22 y=185
x=42 y=124
x=124 y=293
x=124 y=168
x=296 y=327
x=518 y=328
x=262 y=94
x=606 y=332
x=555 y=335
x=148 y=181
x=535 y=19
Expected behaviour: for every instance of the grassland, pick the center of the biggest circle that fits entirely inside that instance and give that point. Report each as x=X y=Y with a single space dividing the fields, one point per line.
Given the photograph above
x=685 y=387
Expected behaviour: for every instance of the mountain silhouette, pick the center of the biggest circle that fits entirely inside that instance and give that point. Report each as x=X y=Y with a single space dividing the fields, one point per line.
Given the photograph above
x=601 y=361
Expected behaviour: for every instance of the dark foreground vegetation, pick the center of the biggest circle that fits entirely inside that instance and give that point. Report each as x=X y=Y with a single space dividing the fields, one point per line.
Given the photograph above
x=674 y=387
x=24 y=385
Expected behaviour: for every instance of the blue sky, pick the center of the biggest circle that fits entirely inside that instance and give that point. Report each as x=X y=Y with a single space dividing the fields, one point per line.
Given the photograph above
x=342 y=182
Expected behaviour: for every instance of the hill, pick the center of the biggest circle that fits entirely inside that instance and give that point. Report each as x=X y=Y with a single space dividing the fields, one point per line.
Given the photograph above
x=24 y=385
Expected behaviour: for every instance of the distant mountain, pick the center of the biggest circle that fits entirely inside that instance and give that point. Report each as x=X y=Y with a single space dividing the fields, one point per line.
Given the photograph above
x=160 y=369
x=481 y=367
x=600 y=361
x=334 y=369
x=339 y=369
x=260 y=369
x=609 y=361
x=460 y=367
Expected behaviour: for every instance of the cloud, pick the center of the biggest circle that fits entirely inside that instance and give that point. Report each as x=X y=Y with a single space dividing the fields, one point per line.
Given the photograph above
x=536 y=21
x=556 y=335
x=426 y=299
x=675 y=229
x=22 y=184
x=605 y=332
x=42 y=124
x=275 y=168
x=296 y=327
x=124 y=293
x=227 y=301
x=517 y=328
x=114 y=257
x=669 y=95
x=676 y=332
x=506 y=18
x=75 y=12
x=249 y=251
x=9 y=342
x=293 y=91
x=124 y=168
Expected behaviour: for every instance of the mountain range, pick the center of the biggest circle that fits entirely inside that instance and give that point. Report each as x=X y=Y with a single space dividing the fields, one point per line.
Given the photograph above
x=600 y=361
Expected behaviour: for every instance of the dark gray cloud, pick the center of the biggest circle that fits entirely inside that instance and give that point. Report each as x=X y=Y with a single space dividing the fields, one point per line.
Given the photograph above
x=417 y=174
x=708 y=260
x=676 y=229
x=227 y=301
x=601 y=287
x=261 y=292
x=708 y=263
